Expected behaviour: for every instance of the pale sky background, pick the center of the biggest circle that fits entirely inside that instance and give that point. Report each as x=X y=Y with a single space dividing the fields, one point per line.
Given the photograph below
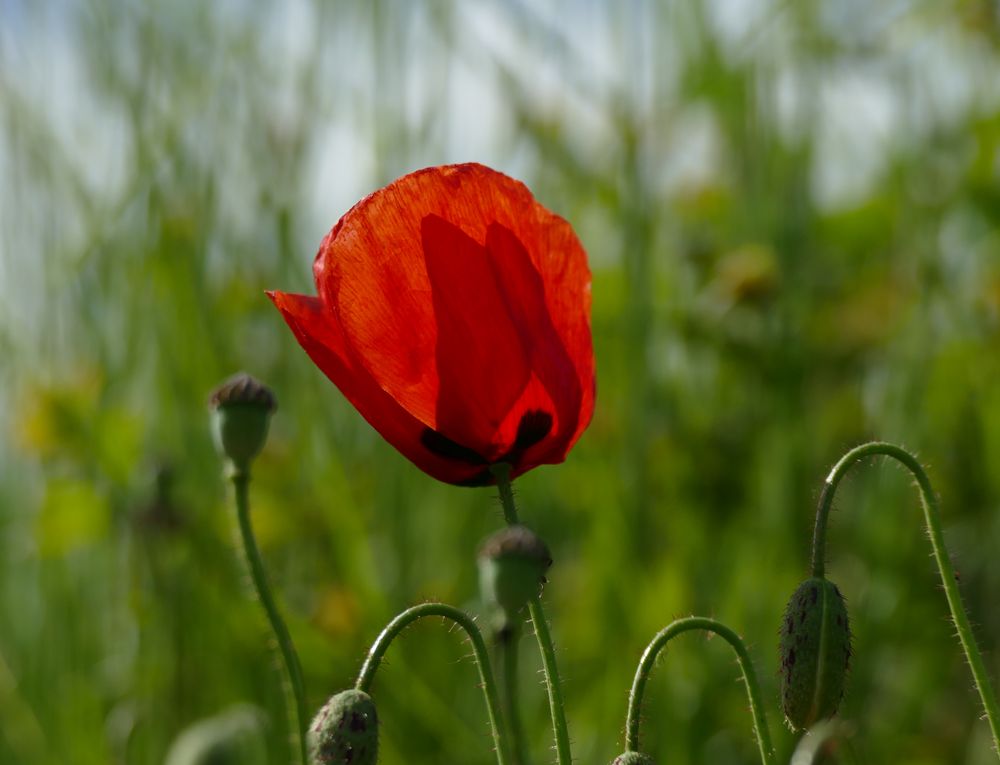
x=906 y=79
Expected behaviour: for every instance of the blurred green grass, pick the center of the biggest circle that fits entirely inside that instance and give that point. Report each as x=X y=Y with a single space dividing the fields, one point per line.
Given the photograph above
x=792 y=215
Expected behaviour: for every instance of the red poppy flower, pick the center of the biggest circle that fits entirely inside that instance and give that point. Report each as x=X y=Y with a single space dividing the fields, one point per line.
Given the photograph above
x=454 y=314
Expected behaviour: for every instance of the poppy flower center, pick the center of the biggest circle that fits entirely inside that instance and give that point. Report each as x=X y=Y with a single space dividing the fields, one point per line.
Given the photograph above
x=533 y=426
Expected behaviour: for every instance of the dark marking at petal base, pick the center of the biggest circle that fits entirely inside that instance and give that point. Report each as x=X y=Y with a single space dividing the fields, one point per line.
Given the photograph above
x=534 y=426
x=442 y=446
x=482 y=478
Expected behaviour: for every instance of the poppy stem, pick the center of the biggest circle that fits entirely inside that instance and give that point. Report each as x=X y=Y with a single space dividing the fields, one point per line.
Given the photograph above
x=292 y=684
x=648 y=661
x=502 y=473
x=556 y=706
x=479 y=651
x=932 y=517
x=508 y=640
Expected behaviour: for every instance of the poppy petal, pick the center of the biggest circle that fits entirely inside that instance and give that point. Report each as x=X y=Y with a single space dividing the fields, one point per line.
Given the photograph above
x=562 y=264
x=481 y=363
x=319 y=334
x=524 y=293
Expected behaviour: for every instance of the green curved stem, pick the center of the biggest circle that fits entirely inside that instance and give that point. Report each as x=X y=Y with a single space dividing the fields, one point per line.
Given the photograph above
x=480 y=652
x=648 y=661
x=556 y=705
x=292 y=684
x=932 y=516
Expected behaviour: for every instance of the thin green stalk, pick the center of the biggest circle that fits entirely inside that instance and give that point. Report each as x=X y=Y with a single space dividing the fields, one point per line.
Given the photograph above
x=292 y=685
x=556 y=706
x=377 y=652
x=648 y=661
x=932 y=517
x=506 y=490
x=508 y=644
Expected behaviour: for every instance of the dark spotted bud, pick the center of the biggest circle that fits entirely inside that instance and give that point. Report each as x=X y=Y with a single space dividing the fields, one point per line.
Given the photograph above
x=241 y=412
x=345 y=731
x=633 y=758
x=815 y=650
x=512 y=566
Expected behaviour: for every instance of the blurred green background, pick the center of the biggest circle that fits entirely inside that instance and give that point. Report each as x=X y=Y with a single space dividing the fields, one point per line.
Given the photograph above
x=792 y=211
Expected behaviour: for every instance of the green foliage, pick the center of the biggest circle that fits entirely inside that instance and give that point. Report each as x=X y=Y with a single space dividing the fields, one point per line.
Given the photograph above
x=230 y=738
x=791 y=212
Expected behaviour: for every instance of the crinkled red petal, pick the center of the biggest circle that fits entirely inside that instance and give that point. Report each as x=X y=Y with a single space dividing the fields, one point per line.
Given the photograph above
x=320 y=335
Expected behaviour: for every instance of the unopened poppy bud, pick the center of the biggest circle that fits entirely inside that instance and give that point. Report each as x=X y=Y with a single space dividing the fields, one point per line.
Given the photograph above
x=241 y=411
x=633 y=758
x=512 y=566
x=815 y=650
x=345 y=731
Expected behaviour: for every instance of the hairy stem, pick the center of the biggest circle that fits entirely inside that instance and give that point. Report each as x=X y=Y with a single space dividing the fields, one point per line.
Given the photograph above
x=479 y=650
x=292 y=685
x=556 y=705
x=648 y=661
x=506 y=490
x=932 y=517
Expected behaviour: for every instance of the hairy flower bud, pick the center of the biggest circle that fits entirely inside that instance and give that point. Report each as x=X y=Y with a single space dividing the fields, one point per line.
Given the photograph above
x=512 y=566
x=345 y=731
x=633 y=758
x=815 y=652
x=241 y=409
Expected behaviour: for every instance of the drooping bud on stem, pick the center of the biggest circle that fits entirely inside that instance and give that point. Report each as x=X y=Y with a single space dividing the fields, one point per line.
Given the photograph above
x=512 y=566
x=815 y=650
x=633 y=758
x=241 y=409
x=345 y=731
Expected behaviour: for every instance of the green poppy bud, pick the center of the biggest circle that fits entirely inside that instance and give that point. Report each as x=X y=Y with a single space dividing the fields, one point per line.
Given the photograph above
x=633 y=758
x=345 y=731
x=241 y=411
x=512 y=566
x=815 y=650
